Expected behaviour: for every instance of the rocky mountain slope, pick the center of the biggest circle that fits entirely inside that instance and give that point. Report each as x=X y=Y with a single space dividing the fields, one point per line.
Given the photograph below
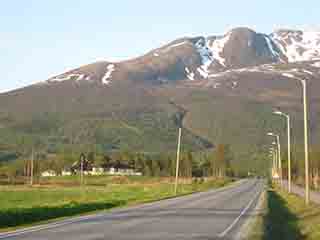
x=221 y=89
x=201 y=57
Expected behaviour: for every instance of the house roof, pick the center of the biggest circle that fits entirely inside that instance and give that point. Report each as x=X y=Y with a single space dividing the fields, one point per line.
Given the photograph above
x=118 y=165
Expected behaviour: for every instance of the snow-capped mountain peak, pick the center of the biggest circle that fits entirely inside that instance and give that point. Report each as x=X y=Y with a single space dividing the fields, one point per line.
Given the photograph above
x=199 y=58
x=216 y=47
x=298 y=45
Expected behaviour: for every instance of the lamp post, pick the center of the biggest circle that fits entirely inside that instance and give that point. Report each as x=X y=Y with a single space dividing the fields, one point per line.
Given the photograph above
x=306 y=140
x=287 y=116
x=31 y=167
x=82 y=159
x=274 y=160
x=271 y=156
x=279 y=153
x=306 y=133
x=177 y=163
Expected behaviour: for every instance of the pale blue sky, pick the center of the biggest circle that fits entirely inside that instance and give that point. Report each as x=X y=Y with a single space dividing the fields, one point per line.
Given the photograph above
x=41 y=38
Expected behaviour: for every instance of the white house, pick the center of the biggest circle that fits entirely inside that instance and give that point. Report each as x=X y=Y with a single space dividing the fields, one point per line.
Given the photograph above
x=66 y=173
x=49 y=173
x=97 y=171
x=123 y=171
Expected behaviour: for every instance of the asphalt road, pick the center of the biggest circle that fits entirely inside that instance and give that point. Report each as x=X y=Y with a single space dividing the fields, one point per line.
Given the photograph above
x=216 y=214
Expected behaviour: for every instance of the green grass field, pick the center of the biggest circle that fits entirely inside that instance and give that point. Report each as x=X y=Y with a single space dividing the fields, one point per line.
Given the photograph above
x=24 y=205
x=287 y=218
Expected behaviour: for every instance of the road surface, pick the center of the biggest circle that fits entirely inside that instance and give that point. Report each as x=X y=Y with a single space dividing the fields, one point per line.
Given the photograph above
x=216 y=214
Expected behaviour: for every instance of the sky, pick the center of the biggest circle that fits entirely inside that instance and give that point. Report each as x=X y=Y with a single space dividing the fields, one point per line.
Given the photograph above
x=43 y=38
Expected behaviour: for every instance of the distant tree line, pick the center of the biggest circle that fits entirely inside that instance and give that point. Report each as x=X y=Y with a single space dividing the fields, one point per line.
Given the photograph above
x=298 y=167
x=216 y=162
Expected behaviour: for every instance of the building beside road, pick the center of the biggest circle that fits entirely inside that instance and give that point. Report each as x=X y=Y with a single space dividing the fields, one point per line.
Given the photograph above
x=49 y=173
x=113 y=168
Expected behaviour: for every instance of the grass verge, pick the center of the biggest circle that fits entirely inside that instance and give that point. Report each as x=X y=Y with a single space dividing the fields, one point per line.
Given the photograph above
x=287 y=218
x=253 y=229
x=23 y=205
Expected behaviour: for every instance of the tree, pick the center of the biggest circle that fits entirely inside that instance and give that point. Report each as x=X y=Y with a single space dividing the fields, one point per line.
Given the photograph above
x=228 y=157
x=315 y=167
x=155 y=168
x=220 y=161
x=165 y=165
x=91 y=157
x=12 y=170
x=139 y=162
x=186 y=164
x=221 y=165
x=103 y=160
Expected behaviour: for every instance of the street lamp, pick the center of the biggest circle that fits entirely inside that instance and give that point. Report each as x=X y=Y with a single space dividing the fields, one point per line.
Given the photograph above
x=271 y=156
x=177 y=162
x=275 y=155
x=275 y=152
x=279 y=153
x=274 y=159
x=287 y=116
x=306 y=137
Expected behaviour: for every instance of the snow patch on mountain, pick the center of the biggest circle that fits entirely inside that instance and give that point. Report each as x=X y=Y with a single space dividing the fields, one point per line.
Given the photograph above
x=234 y=84
x=273 y=51
x=289 y=75
x=81 y=76
x=220 y=74
x=106 y=78
x=216 y=85
x=316 y=64
x=216 y=46
x=203 y=71
x=241 y=70
x=269 y=69
x=190 y=74
x=206 y=57
x=298 y=45
x=75 y=76
x=307 y=72
x=211 y=51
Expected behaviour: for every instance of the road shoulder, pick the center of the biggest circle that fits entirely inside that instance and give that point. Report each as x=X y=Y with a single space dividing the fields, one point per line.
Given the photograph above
x=252 y=228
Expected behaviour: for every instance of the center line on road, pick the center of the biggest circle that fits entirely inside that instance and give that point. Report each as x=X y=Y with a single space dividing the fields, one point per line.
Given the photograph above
x=238 y=218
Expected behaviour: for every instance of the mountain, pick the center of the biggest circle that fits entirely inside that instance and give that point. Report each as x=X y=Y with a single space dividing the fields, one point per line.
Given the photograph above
x=221 y=89
x=298 y=45
x=198 y=57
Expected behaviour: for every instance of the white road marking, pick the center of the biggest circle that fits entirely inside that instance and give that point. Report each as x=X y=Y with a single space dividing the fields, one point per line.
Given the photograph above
x=44 y=227
x=239 y=217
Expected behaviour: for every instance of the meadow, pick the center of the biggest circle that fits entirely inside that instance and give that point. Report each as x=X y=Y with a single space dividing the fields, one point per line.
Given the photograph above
x=58 y=197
